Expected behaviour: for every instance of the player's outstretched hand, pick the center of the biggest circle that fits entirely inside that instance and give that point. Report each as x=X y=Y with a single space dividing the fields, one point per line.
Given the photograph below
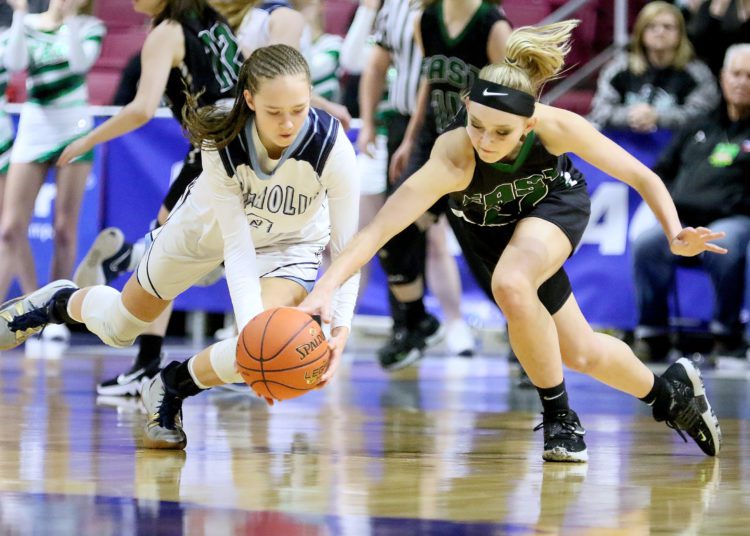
x=318 y=303
x=693 y=241
x=74 y=150
x=336 y=343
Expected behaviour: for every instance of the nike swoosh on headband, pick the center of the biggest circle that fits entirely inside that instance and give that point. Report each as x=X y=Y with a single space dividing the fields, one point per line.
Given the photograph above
x=492 y=94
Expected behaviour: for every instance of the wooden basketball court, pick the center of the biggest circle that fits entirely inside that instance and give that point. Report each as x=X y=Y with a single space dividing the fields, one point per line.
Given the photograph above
x=445 y=448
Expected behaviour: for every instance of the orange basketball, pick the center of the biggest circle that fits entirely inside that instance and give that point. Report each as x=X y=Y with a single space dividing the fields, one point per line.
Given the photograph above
x=282 y=353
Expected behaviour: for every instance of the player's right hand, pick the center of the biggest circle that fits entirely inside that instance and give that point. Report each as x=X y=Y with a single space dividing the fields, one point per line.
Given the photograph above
x=336 y=343
x=74 y=150
x=399 y=160
x=366 y=139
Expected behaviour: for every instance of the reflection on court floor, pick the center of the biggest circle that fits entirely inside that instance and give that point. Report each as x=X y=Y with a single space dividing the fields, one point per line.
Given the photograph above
x=445 y=448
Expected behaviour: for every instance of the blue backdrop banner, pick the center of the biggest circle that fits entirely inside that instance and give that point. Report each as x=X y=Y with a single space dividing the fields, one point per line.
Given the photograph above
x=132 y=174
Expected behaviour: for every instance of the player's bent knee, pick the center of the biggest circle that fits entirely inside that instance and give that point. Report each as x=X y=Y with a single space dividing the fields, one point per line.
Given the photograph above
x=223 y=355
x=513 y=293
x=106 y=317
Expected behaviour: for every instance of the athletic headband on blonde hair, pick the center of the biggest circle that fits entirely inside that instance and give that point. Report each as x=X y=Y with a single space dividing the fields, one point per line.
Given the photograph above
x=502 y=98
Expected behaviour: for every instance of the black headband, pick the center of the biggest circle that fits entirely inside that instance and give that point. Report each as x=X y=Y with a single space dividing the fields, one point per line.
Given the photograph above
x=502 y=98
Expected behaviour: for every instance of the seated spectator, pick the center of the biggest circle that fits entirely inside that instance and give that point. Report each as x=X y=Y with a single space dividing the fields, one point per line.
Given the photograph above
x=707 y=166
x=658 y=84
x=715 y=26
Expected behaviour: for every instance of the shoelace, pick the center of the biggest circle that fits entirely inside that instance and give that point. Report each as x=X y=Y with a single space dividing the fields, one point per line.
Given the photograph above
x=35 y=318
x=685 y=420
x=566 y=421
x=169 y=407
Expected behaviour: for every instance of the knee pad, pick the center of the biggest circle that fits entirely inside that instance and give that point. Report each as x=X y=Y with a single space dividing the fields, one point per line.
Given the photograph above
x=105 y=316
x=554 y=292
x=403 y=256
x=223 y=355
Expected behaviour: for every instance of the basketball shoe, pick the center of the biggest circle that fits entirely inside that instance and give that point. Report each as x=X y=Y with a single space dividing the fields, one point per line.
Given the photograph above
x=164 y=409
x=129 y=382
x=407 y=345
x=563 y=437
x=689 y=410
x=22 y=317
x=108 y=257
x=459 y=339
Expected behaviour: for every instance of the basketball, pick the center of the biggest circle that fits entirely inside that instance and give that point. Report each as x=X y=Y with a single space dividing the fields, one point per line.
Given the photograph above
x=282 y=353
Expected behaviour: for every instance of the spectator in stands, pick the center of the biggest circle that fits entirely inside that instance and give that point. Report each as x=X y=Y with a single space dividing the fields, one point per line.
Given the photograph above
x=259 y=24
x=56 y=48
x=658 y=83
x=715 y=26
x=706 y=166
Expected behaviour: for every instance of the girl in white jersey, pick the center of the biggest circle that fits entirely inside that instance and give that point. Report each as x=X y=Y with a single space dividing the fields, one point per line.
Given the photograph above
x=56 y=48
x=277 y=185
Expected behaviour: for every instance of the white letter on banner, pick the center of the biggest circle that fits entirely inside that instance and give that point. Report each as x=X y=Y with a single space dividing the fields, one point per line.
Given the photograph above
x=44 y=200
x=608 y=224
x=642 y=219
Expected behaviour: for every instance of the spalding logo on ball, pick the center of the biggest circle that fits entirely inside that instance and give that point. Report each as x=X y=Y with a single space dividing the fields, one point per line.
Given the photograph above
x=282 y=353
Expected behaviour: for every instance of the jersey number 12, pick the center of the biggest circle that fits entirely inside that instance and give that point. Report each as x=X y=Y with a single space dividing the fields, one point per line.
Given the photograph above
x=222 y=46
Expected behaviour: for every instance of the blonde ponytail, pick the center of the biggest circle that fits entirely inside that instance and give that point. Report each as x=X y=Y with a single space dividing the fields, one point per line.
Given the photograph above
x=534 y=55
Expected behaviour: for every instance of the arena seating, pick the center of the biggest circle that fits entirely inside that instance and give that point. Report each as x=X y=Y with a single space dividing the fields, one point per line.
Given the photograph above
x=127 y=30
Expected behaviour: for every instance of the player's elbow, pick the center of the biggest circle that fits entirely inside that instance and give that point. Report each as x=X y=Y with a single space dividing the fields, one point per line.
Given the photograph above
x=140 y=113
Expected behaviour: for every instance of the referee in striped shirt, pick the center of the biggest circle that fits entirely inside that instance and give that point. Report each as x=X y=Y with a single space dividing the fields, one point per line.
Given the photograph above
x=394 y=44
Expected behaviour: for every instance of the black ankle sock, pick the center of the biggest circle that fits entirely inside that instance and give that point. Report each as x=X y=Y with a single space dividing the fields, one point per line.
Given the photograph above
x=178 y=381
x=659 y=398
x=123 y=259
x=397 y=312
x=58 y=311
x=413 y=313
x=149 y=351
x=554 y=399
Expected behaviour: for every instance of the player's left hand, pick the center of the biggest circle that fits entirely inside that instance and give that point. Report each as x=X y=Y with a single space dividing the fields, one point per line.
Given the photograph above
x=270 y=401
x=318 y=303
x=692 y=241
x=336 y=343
x=74 y=150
